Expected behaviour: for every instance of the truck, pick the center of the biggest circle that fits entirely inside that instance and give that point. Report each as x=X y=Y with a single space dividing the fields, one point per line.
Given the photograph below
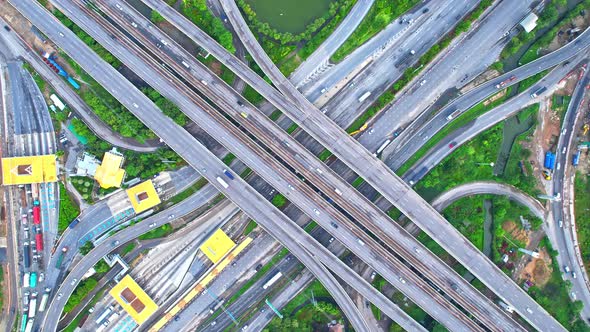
x=33 y=280
x=576 y=158
x=538 y=91
x=74 y=223
x=26 y=279
x=506 y=81
x=272 y=280
x=60 y=259
x=454 y=113
x=104 y=315
x=26 y=255
x=549 y=160
x=36 y=215
x=33 y=306
x=39 y=242
x=228 y=174
x=364 y=96
x=44 y=300
x=222 y=182
x=29 y=327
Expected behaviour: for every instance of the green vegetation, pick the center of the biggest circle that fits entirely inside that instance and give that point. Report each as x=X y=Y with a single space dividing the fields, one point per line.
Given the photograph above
x=102 y=267
x=582 y=213
x=528 y=82
x=379 y=16
x=252 y=95
x=83 y=288
x=156 y=17
x=291 y=129
x=199 y=14
x=413 y=71
x=357 y=182
x=554 y=297
x=250 y=227
x=301 y=315
x=189 y=191
x=470 y=162
x=156 y=233
x=84 y=186
x=128 y=248
x=86 y=248
x=457 y=123
x=76 y=321
x=559 y=105
x=68 y=210
x=288 y=50
x=228 y=159
x=324 y=155
x=167 y=107
x=548 y=17
x=279 y=200
x=36 y=77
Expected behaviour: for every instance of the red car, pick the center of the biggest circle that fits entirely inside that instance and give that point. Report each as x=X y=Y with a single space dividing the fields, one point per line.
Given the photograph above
x=452 y=145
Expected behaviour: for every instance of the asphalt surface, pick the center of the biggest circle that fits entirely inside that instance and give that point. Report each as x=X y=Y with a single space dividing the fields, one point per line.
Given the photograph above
x=383 y=217
x=71 y=98
x=303 y=202
x=563 y=208
x=396 y=191
x=319 y=59
x=178 y=140
x=412 y=139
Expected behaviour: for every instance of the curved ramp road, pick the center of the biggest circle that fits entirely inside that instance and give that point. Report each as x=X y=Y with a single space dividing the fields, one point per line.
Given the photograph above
x=200 y=158
x=441 y=279
x=377 y=174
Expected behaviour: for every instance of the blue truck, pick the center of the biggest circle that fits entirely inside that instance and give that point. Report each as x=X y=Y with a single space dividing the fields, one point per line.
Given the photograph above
x=576 y=159
x=549 y=160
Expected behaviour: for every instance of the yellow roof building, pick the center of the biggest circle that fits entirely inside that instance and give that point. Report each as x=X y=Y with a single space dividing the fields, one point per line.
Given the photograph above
x=31 y=169
x=217 y=245
x=143 y=196
x=109 y=173
x=133 y=299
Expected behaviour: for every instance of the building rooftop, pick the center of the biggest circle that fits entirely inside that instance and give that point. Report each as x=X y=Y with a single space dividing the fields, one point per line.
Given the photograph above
x=30 y=169
x=529 y=22
x=86 y=165
x=143 y=196
x=109 y=173
x=133 y=299
x=217 y=245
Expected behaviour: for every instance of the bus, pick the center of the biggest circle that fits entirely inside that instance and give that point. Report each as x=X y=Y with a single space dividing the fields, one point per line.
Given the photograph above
x=272 y=280
x=364 y=96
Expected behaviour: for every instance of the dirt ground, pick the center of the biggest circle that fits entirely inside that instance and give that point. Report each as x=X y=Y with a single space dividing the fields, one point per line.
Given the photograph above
x=482 y=78
x=579 y=22
x=516 y=231
x=538 y=270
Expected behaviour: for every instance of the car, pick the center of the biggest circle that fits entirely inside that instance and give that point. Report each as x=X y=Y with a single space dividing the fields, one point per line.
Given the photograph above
x=452 y=145
x=323 y=90
x=316 y=211
x=417 y=250
x=566 y=269
x=425 y=10
x=423 y=82
x=41 y=277
x=152 y=225
x=573 y=295
x=290 y=187
x=561 y=223
x=402 y=280
x=59 y=295
x=335 y=225
x=171 y=216
x=61 y=34
x=258 y=267
x=529 y=310
x=177 y=318
x=245 y=327
x=74 y=281
x=564 y=150
x=573 y=274
x=331 y=240
x=213 y=323
x=240 y=103
x=263 y=310
x=373 y=275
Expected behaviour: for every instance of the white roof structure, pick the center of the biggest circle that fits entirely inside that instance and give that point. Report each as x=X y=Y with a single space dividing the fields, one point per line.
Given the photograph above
x=57 y=102
x=86 y=165
x=529 y=22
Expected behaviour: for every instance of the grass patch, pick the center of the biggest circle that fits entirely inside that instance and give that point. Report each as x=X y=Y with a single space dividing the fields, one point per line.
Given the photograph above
x=228 y=159
x=189 y=191
x=156 y=233
x=291 y=129
x=325 y=155
x=252 y=95
x=357 y=182
x=250 y=227
x=128 y=248
x=68 y=210
x=582 y=211
x=457 y=123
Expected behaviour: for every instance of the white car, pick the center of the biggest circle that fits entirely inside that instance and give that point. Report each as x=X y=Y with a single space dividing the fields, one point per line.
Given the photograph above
x=171 y=216
x=59 y=295
x=317 y=212
x=74 y=281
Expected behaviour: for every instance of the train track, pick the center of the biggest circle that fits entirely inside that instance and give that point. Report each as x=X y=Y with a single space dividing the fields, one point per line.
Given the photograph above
x=368 y=220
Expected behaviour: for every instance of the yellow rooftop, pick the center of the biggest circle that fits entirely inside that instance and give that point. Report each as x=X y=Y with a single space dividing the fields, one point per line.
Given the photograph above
x=133 y=299
x=217 y=245
x=31 y=169
x=143 y=196
x=109 y=173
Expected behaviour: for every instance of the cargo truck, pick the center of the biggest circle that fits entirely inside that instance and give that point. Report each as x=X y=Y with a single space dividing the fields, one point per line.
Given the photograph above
x=60 y=259
x=26 y=255
x=26 y=279
x=33 y=306
x=33 y=280
x=39 y=242
x=538 y=92
x=74 y=223
x=44 y=300
x=549 y=160
x=36 y=215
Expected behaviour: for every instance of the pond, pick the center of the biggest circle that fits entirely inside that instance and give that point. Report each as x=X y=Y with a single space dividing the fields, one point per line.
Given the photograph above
x=288 y=15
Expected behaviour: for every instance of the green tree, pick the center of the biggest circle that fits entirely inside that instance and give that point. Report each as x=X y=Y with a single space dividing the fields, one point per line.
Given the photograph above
x=86 y=248
x=279 y=200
